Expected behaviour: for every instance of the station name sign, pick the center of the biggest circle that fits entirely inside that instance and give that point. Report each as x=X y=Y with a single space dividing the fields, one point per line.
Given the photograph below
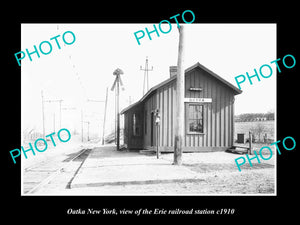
x=197 y=100
x=195 y=89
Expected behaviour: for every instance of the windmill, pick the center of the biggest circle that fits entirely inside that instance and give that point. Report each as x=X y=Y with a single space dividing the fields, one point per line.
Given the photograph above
x=116 y=86
x=118 y=80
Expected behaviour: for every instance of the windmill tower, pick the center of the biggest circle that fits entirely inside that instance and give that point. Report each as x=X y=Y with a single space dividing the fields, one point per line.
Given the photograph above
x=116 y=86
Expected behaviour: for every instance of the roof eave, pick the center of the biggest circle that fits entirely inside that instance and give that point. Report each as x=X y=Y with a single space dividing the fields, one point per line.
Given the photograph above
x=235 y=89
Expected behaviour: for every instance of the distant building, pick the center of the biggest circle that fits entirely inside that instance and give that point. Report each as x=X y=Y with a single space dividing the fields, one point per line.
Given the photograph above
x=209 y=113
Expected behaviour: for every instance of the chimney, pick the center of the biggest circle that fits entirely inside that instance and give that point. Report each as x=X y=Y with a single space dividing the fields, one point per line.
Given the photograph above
x=173 y=71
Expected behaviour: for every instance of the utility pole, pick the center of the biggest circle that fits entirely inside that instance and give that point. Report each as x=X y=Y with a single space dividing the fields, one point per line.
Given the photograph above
x=116 y=86
x=60 y=101
x=179 y=124
x=88 y=132
x=104 y=116
x=146 y=78
x=69 y=108
x=92 y=100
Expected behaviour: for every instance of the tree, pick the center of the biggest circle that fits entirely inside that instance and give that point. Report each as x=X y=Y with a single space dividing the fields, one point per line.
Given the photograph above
x=258 y=129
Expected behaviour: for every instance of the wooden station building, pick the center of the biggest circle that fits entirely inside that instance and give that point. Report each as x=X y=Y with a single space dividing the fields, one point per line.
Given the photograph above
x=209 y=113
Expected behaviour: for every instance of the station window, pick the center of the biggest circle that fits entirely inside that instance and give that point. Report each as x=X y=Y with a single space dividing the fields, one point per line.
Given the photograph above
x=194 y=118
x=136 y=125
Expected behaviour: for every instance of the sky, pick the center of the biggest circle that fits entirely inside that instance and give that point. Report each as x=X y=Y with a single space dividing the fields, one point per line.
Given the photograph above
x=84 y=69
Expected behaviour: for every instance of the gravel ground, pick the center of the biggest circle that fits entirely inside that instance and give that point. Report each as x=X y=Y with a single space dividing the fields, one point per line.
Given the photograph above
x=218 y=169
x=220 y=177
x=256 y=182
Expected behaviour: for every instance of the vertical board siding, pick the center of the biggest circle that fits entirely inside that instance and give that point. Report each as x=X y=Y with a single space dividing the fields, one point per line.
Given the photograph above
x=218 y=115
x=205 y=115
x=217 y=127
x=222 y=117
x=165 y=97
x=227 y=116
x=174 y=111
x=232 y=119
x=161 y=131
x=155 y=142
x=168 y=117
x=126 y=129
x=213 y=114
x=171 y=115
x=165 y=117
x=135 y=142
x=218 y=120
x=209 y=113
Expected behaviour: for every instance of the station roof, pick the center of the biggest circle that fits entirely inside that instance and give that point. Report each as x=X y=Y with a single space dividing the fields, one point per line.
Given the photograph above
x=197 y=65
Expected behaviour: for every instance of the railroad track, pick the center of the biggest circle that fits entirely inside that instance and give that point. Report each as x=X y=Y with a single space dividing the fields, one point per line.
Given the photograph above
x=39 y=175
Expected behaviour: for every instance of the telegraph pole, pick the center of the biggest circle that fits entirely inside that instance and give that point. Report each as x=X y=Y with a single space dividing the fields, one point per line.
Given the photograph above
x=88 y=132
x=179 y=125
x=69 y=108
x=91 y=100
x=146 y=78
x=43 y=112
x=60 y=101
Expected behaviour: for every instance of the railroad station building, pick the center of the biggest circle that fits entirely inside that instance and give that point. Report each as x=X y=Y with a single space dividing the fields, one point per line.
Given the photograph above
x=209 y=114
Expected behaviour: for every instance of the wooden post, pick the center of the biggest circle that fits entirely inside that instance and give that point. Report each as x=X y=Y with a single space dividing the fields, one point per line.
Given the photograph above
x=157 y=136
x=250 y=143
x=179 y=124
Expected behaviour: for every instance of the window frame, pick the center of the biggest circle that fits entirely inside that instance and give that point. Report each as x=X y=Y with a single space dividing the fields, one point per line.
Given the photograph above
x=187 y=118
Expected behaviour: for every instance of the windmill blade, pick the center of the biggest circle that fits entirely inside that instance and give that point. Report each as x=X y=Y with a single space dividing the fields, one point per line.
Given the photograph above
x=120 y=81
x=118 y=72
x=114 y=85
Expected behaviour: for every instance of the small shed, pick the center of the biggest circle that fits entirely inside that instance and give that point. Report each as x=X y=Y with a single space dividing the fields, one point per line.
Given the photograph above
x=209 y=113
